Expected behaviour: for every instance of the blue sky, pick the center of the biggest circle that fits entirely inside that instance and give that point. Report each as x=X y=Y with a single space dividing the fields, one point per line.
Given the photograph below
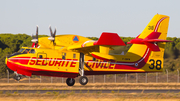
x=86 y=17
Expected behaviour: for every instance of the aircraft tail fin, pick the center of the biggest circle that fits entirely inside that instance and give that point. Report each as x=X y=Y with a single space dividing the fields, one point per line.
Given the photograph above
x=154 y=34
x=150 y=44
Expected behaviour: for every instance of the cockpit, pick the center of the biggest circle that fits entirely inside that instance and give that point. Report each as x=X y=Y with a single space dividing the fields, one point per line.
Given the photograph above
x=23 y=50
x=26 y=50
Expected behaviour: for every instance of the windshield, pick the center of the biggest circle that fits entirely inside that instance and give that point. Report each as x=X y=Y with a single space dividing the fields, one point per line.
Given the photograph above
x=26 y=51
x=21 y=50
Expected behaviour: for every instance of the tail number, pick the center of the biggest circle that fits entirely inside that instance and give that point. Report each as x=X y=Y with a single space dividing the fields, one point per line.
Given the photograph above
x=150 y=27
x=157 y=65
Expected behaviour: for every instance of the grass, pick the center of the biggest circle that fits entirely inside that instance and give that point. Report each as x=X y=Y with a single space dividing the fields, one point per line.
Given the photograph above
x=48 y=92
x=38 y=92
x=55 y=93
x=98 y=96
x=16 y=92
x=112 y=91
x=1 y=92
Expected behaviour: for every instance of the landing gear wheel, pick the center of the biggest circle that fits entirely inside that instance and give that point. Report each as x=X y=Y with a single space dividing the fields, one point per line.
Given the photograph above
x=17 y=77
x=70 y=81
x=83 y=80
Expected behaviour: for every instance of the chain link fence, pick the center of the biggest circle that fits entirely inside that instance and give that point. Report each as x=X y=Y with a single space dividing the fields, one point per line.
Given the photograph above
x=159 y=77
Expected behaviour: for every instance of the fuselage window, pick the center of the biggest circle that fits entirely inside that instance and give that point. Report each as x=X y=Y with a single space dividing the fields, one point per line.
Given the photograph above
x=94 y=59
x=26 y=51
x=63 y=56
x=40 y=56
x=32 y=51
x=74 y=56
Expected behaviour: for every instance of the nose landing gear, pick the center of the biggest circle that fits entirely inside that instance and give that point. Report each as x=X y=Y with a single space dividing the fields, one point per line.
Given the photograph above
x=17 y=77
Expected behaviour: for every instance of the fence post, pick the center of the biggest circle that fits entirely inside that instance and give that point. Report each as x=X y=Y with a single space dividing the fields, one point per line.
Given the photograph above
x=40 y=79
x=104 y=79
x=7 y=76
x=115 y=78
x=29 y=79
x=62 y=79
x=51 y=79
x=126 y=77
x=156 y=77
x=136 y=77
x=146 y=77
x=167 y=75
x=178 y=76
x=93 y=79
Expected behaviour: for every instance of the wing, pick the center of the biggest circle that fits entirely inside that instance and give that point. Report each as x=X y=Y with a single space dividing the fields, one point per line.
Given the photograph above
x=61 y=41
x=102 y=46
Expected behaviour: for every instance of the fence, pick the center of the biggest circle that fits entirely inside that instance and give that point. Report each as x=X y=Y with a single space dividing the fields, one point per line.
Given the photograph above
x=159 y=77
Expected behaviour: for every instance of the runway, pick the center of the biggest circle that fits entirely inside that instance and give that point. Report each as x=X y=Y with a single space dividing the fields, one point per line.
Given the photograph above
x=95 y=91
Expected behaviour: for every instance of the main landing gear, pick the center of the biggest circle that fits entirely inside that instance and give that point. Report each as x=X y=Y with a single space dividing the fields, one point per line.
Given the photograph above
x=70 y=81
x=83 y=80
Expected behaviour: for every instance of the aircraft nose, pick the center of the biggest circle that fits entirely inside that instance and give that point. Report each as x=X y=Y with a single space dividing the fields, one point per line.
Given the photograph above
x=13 y=54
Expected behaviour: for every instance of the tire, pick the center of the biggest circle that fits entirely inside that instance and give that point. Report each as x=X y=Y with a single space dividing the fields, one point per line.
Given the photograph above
x=70 y=81
x=17 y=78
x=83 y=80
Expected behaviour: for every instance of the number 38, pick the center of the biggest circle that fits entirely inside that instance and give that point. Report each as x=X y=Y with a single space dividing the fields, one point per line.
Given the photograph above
x=156 y=64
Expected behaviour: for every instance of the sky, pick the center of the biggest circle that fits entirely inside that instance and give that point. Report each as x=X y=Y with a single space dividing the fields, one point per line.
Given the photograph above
x=87 y=18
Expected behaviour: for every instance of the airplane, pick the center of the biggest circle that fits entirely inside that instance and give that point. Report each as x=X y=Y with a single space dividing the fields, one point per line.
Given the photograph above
x=70 y=56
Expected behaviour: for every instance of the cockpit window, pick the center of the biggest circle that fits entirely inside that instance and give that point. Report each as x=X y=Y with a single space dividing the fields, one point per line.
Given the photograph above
x=26 y=51
x=21 y=50
x=32 y=51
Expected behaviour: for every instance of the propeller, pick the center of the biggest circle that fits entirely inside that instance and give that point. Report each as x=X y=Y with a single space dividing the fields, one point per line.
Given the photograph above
x=35 y=39
x=52 y=37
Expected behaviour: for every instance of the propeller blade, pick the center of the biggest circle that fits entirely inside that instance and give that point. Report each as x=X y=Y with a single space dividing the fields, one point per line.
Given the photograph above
x=50 y=31
x=37 y=32
x=35 y=39
x=54 y=33
x=52 y=37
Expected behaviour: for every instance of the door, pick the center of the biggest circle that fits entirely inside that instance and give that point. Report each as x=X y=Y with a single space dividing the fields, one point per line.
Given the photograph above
x=41 y=59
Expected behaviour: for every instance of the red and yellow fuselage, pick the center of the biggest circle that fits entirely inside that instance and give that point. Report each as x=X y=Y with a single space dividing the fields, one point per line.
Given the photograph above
x=63 y=59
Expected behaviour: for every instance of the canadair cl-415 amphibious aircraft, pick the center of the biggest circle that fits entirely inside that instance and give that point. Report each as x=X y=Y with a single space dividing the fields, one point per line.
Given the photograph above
x=70 y=56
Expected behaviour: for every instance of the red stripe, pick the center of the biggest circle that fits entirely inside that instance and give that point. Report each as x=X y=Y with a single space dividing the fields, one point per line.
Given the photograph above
x=28 y=71
x=21 y=60
x=158 y=23
x=141 y=63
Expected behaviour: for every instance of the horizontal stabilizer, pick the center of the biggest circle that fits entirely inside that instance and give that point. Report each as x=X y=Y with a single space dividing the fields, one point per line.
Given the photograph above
x=157 y=40
x=151 y=41
x=107 y=38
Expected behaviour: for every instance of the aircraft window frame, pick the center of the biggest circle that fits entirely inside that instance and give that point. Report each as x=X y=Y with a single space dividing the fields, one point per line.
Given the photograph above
x=40 y=57
x=21 y=50
x=32 y=51
x=26 y=51
x=74 y=55
x=94 y=59
x=63 y=57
